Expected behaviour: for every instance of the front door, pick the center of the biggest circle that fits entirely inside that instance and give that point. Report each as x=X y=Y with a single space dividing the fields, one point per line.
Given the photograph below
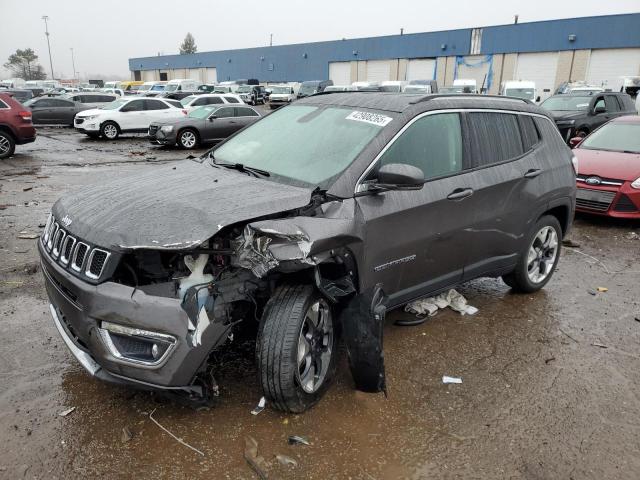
x=415 y=239
x=133 y=115
x=224 y=122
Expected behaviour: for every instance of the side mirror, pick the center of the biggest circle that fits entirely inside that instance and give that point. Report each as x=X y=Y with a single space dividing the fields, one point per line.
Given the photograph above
x=574 y=141
x=212 y=118
x=399 y=176
x=599 y=109
x=538 y=99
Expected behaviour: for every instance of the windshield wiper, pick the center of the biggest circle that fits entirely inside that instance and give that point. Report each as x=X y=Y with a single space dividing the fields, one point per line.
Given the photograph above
x=242 y=168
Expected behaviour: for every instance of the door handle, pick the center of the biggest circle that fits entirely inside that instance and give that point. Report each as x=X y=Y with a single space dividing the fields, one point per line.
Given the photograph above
x=533 y=173
x=460 y=193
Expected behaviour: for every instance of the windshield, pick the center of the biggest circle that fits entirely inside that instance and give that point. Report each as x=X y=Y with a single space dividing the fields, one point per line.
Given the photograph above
x=621 y=137
x=157 y=88
x=171 y=88
x=243 y=89
x=185 y=101
x=526 y=93
x=568 y=103
x=116 y=104
x=303 y=143
x=390 y=88
x=308 y=89
x=145 y=87
x=284 y=90
x=202 y=112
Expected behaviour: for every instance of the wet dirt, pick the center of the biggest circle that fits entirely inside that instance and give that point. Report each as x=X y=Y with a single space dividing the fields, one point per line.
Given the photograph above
x=539 y=398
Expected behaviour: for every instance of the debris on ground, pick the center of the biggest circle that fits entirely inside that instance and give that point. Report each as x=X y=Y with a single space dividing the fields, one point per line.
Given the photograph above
x=592 y=292
x=427 y=307
x=599 y=345
x=549 y=360
x=286 y=461
x=637 y=319
x=26 y=189
x=179 y=440
x=24 y=235
x=126 y=435
x=633 y=236
x=260 y=407
x=297 y=440
x=66 y=412
x=602 y=289
x=446 y=379
x=567 y=242
x=255 y=461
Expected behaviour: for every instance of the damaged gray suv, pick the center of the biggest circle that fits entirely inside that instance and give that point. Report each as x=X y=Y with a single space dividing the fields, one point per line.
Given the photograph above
x=306 y=226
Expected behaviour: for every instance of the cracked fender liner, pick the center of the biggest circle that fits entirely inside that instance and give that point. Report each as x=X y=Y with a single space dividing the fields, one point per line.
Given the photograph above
x=362 y=323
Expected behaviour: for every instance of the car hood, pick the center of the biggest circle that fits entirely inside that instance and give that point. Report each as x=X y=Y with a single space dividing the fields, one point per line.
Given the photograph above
x=566 y=114
x=615 y=165
x=172 y=208
x=90 y=111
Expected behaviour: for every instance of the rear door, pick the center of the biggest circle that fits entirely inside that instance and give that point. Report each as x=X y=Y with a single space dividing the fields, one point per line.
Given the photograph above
x=224 y=124
x=41 y=111
x=63 y=111
x=243 y=117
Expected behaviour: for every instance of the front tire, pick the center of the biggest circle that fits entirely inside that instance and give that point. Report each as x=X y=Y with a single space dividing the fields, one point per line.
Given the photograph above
x=188 y=139
x=7 y=145
x=110 y=130
x=296 y=348
x=537 y=263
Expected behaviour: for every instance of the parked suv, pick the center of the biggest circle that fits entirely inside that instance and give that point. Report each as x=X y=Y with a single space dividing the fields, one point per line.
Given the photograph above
x=16 y=127
x=311 y=87
x=313 y=220
x=578 y=115
x=252 y=94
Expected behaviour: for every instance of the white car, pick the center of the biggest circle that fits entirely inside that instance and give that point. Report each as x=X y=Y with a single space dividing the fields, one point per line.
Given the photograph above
x=126 y=115
x=281 y=95
x=195 y=101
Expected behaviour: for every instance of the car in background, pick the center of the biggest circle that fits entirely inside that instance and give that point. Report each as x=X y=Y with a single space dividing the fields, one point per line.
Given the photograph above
x=127 y=115
x=252 y=94
x=180 y=85
x=195 y=101
x=55 y=110
x=21 y=95
x=338 y=88
x=177 y=95
x=35 y=91
x=16 y=127
x=116 y=91
x=520 y=89
x=281 y=95
x=579 y=115
x=206 y=124
x=313 y=86
x=608 y=178
x=365 y=87
x=394 y=86
x=422 y=89
x=580 y=88
x=206 y=88
x=469 y=85
x=93 y=99
x=147 y=87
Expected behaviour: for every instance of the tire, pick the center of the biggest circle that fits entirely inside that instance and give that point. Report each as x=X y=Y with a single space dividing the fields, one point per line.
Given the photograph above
x=290 y=385
x=7 y=144
x=109 y=130
x=581 y=132
x=188 y=139
x=528 y=276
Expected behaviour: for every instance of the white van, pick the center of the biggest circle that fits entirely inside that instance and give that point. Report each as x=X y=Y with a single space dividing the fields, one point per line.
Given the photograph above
x=12 y=83
x=281 y=95
x=520 y=89
x=154 y=87
x=112 y=84
x=468 y=85
x=181 y=85
x=393 y=85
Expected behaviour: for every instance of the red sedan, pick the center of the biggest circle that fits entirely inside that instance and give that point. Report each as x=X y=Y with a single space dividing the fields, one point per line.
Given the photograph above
x=608 y=177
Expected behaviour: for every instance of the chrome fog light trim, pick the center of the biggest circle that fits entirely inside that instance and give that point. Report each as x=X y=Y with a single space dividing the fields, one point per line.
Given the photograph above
x=160 y=344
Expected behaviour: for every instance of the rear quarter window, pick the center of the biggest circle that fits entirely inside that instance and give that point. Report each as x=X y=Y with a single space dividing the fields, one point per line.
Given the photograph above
x=495 y=137
x=530 y=134
x=231 y=100
x=3 y=105
x=174 y=103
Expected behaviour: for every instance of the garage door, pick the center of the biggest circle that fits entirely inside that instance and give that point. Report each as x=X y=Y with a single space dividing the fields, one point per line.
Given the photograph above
x=475 y=67
x=178 y=73
x=540 y=68
x=340 y=73
x=148 y=75
x=421 y=69
x=378 y=70
x=194 y=74
x=211 y=75
x=608 y=66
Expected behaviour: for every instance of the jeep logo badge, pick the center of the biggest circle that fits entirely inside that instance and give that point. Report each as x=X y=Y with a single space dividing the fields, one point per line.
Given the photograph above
x=66 y=221
x=593 y=181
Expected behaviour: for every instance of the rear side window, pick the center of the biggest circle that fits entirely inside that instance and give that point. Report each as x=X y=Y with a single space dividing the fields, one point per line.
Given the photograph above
x=530 y=135
x=155 y=105
x=3 y=105
x=174 y=103
x=213 y=100
x=231 y=100
x=495 y=137
x=224 y=112
x=612 y=103
x=245 y=112
x=433 y=144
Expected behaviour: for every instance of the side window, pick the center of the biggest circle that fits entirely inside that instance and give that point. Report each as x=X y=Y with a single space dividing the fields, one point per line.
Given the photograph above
x=175 y=103
x=495 y=137
x=214 y=100
x=56 y=102
x=155 y=105
x=599 y=103
x=3 y=105
x=245 y=112
x=224 y=112
x=231 y=100
x=199 y=102
x=134 y=106
x=530 y=135
x=611 y=103
x=432 y=143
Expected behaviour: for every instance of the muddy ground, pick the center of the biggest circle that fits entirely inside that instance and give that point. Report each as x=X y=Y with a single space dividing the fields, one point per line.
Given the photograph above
x=550 y=381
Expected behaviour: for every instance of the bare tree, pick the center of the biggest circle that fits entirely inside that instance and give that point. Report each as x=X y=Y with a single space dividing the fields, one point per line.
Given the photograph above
x=23 y=64
x=188 y=45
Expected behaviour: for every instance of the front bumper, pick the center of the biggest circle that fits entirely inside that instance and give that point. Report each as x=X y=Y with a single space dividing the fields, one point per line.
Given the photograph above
x=78 y=309
x=609 y=201
x=86 y=126
x=163 y=138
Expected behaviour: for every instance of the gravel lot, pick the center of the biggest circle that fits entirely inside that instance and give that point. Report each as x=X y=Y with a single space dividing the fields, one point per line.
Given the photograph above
x=550 y=381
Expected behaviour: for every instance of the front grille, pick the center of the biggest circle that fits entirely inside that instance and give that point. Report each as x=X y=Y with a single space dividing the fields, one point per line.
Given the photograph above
x=79 y=121
x=624 y=204
x=603 y=180
x=73 y=253
x=597 y=200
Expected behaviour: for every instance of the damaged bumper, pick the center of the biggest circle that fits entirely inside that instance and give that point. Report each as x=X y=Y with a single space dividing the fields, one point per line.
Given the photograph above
x=111 y=329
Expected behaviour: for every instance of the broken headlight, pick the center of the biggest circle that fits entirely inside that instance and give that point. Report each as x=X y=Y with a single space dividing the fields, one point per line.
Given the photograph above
x=167 y=128
x=136 y=346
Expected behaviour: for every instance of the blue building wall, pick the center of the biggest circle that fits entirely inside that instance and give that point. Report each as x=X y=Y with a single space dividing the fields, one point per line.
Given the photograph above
x=309 y=61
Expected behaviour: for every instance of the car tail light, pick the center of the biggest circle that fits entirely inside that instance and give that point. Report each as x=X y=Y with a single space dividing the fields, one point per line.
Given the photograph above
x=574 y=161
x=25 y=115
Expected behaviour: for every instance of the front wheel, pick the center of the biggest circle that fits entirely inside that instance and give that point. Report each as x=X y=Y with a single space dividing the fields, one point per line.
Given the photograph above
x=538 y=262
x=188 y=139
x=296 y=348
x=7 y=145
x=109 y=130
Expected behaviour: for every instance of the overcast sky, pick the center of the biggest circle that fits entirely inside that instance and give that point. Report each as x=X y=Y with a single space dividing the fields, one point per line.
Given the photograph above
x=104 y=35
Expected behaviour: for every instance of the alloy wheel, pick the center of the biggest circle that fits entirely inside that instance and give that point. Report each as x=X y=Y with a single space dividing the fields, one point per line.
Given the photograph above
x=542 y=254
x=188 y=139
x=5 y=145
x=314 y=346
x=110 y=131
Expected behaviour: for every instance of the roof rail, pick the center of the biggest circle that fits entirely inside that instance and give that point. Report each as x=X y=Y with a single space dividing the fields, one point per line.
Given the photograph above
x=433 y=96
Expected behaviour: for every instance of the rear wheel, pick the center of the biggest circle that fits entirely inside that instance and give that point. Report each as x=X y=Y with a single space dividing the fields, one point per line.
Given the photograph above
x=188 y=139
x=538 y=262
x=109 y=130
x=296 y=348
x=7 y=144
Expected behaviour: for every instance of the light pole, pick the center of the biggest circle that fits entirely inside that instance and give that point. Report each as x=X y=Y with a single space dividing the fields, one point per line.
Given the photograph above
x=73 y=63
x=46 y=28
x=271 y=39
